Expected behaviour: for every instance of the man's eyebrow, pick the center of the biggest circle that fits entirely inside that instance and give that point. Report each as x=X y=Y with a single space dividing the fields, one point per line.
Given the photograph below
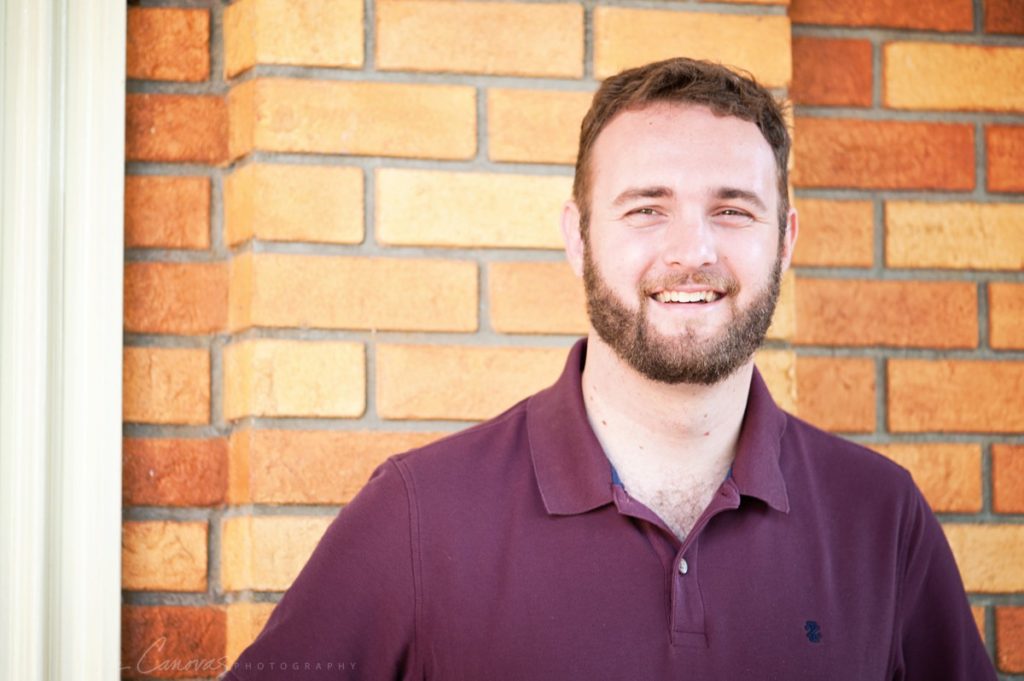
x=634 y=193
x=728 y=193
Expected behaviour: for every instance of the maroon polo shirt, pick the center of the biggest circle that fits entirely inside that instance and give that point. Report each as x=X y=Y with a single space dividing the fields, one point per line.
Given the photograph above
x=507 y=551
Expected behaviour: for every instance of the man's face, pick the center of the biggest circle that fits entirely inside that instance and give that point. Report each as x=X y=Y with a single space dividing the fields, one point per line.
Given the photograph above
x=682 y=261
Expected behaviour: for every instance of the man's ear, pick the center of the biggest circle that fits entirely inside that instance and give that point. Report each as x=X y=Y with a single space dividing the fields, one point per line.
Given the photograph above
x=572 y=237
x=789 y=238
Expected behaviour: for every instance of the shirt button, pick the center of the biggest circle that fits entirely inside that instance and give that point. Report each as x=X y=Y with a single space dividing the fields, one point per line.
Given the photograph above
x=683 y=567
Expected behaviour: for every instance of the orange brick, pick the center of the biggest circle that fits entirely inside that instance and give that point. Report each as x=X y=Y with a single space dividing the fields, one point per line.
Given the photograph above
x=168 y=43
x=536 y=297
x=837 y=393
x=435 y=208
x=534 y=126
x=830 y=72
x=1004 y=146
x=244 y=623
x=515 y=39
x=166 y=212
x=989 y=556
x=894 y=313
x=310 y=467
x=282 y=202
x=1006 y=315
x=181 y=298
x=778 y=369
x=1004 y=16
x=408 y=294
x=1010 y=638
x=752 y=2
x=174 y=128
x=783 y=326
x=760 y=44
x=363 y=119
x=175 y=472
x=265 y=553
x=167 y=641
x=928 y=15
x=460 y=382
x=949 y=475
x=955 y=396
x=161 y=555
x=836 y=152
x=954 y=235
x=978 y=612
x=166 y=385
x=945 y=77
x=1008 y=478
x=296 y=32
x=836 y=233
x=265 y=377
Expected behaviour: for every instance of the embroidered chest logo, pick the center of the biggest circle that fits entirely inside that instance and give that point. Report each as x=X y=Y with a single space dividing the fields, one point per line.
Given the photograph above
x=813 y=630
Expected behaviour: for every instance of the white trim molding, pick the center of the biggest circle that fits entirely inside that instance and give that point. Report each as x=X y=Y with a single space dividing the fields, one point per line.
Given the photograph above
x=62 y=83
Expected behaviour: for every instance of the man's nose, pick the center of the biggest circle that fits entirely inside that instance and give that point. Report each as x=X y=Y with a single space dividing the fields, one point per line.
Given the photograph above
x=689 y=242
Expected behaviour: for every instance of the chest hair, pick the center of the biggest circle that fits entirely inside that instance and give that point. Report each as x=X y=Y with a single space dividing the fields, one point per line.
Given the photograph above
x=678 y=503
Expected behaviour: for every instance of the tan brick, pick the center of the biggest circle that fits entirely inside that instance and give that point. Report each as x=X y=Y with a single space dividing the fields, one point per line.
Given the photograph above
x=1004 y=16
x=168 y=43
x=265 y=553
x=1008 y=478
x=161 y=555
x=949 y=475
x=837 y=393
x=244 y=623
x=978 y=612
x=1006 y=315
x=279 y=202
x=174 y=471
x=895 y=313
x=831 y=72
x=955 y=395
x=310 y=467
x=778 y=368
x=176 y=128
x=1010 y=638
x=835 y=233
x=624 y=38
x=752 y=2
x=435 y=208
x=460 y=382
x=408 y=294
x=928 y=15
x=180 y=298
x=534 y=126
x=516 y=39
x=294 y=32
x=783 y=326
x=954 y=235
x=166 y=385
x=167 y=641
x=1004 y=146
x=945 y=77
x=362 y=119
x=843 y=152
x=265 y=377
x=166 y=212
x=989 y=556
x=536 y=297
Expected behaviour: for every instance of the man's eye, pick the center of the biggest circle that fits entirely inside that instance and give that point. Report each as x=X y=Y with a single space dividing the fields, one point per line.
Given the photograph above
x=644 y=211
x=733 y=216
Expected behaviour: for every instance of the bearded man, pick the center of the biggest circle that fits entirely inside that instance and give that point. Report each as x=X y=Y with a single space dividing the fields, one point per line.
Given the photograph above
x=653 y=514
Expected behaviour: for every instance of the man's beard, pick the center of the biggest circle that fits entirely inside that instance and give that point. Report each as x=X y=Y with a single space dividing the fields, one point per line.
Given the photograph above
x=681 y=358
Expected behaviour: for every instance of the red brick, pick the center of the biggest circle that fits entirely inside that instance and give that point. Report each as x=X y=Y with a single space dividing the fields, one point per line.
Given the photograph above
x=1010 y=639
x=837 y=393
x=955 y=396
x=166 y=212
x=831 y=72
x=170 y=642
x=1004 y=148
x=168 y=43
x=1004 y=16
x=180 y=298
x=1006 y=315
x=176 y=128
x=929 y=15
x=175 y=472
x=838 y=233
x=1008 y=478
x=893 y=313
x=835 y=152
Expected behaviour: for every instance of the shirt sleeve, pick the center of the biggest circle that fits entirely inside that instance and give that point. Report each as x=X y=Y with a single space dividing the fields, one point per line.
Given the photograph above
x=937 y=637
x=350 y=614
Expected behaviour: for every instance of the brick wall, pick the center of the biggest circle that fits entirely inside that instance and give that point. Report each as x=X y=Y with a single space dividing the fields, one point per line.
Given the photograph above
x=341 y=231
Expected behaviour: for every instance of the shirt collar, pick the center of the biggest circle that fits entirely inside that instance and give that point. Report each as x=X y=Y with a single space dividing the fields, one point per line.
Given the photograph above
x=574 y=475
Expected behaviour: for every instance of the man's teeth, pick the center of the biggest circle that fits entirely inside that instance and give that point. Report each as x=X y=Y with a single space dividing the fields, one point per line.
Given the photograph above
x=683 y=297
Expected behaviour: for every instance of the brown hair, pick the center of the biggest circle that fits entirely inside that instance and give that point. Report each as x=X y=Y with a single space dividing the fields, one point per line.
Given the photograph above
x=684 y=81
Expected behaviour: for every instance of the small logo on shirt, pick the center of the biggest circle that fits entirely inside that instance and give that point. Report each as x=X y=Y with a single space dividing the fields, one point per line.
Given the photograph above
x=813 y=630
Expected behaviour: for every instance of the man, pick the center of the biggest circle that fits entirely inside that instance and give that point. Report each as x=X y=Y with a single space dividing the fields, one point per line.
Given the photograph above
x=653 y=514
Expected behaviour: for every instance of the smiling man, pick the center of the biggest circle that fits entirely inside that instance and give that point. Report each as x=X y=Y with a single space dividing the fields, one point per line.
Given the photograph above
x=653 y=514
